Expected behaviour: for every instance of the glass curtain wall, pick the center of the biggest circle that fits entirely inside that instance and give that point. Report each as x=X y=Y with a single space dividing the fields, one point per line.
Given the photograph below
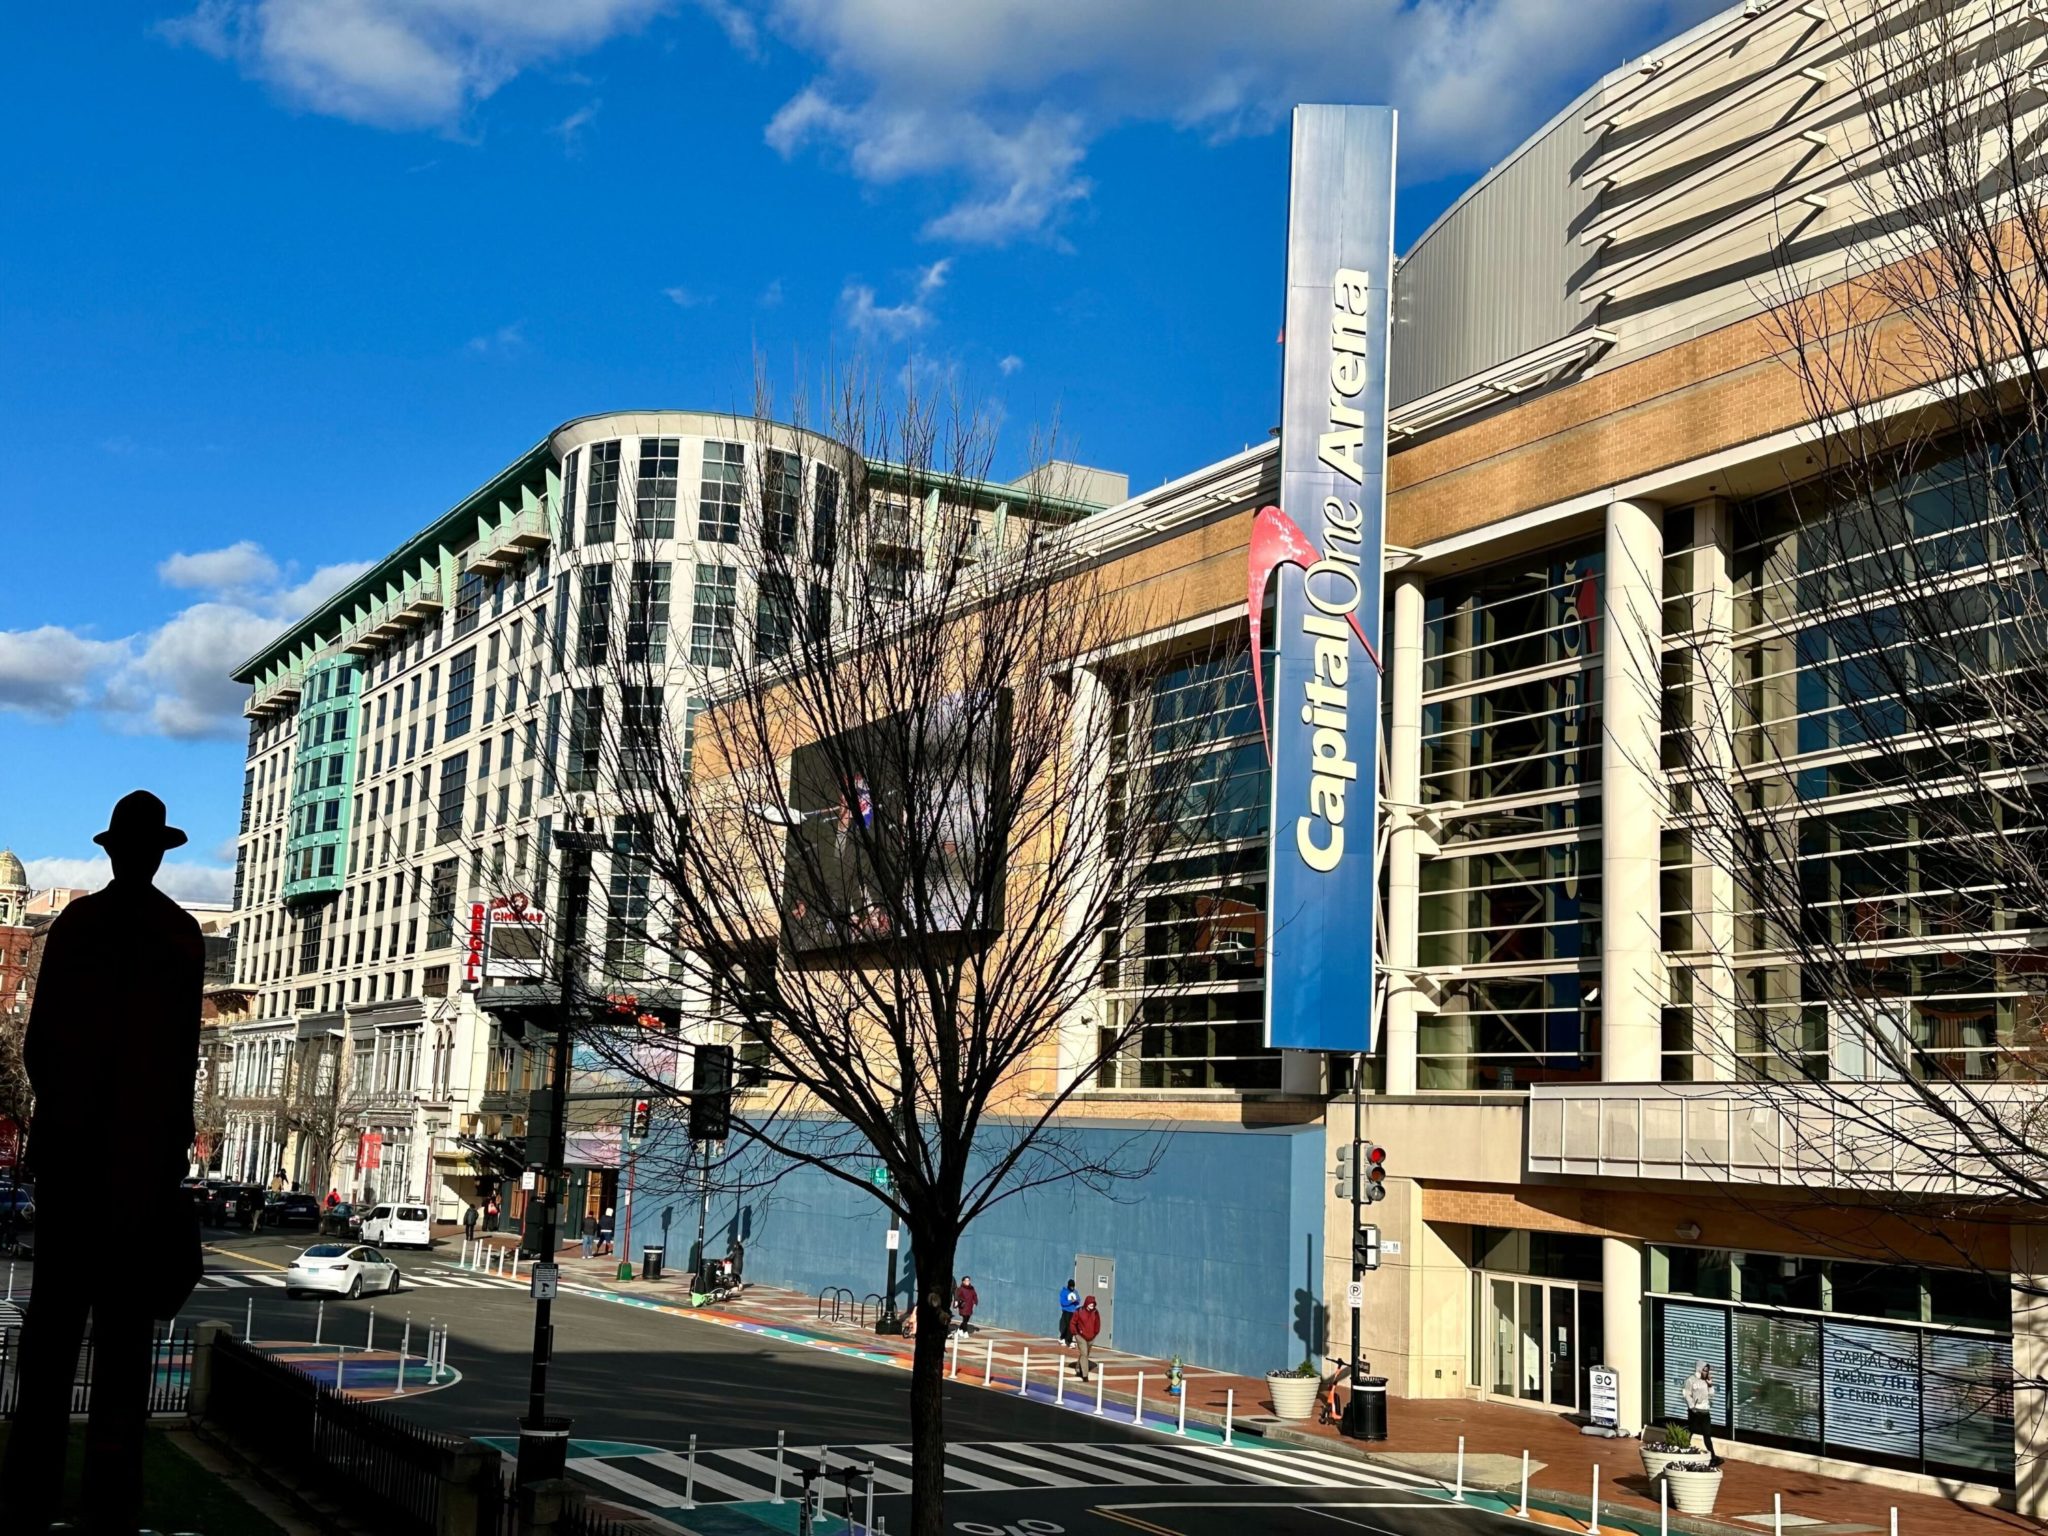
x=1188 y=962
x=1510 y=912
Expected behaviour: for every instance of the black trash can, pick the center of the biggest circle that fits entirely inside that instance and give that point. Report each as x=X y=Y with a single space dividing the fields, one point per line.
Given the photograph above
x=1365 y=1415
x=543 y=1449
x=650 y=1263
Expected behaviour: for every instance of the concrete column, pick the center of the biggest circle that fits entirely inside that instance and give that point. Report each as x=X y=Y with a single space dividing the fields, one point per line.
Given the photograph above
x=1090 y=726
x=1632 y=980
x=1621 y=1295
x=2029 y=1369
x=1713 y=756
x=1404 y=847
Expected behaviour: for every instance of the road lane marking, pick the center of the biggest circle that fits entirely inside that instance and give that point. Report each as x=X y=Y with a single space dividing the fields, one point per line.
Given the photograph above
x=245 y=1258
x=1044 y=1479
x=1133 y=1520
x=1090 y=1452
x=653 y=1495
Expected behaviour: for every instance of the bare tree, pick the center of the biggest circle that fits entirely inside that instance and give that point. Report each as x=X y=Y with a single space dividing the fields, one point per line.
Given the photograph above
x=901 y=824
x=1855 y=673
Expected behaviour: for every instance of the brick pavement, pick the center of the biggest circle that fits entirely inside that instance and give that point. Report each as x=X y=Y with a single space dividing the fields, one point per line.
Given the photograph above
x=1423 y=1433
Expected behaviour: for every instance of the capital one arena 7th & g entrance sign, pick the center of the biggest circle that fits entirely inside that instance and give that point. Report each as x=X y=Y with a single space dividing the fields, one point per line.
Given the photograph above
x=1324 y=540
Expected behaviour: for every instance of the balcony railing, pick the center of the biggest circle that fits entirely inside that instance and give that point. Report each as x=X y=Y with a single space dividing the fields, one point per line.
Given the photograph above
x=1874 y=1136
x=413 y=604
x=508 y=544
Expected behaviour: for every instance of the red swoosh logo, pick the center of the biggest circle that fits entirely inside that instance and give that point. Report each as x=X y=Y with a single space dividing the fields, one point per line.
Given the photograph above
x=1277 y=540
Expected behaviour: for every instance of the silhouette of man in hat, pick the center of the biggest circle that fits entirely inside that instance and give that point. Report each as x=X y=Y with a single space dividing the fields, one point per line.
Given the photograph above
x=112 y=1050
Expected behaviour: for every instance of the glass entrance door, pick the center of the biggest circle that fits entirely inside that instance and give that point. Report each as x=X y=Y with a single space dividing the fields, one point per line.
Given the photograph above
x=1541 y=1338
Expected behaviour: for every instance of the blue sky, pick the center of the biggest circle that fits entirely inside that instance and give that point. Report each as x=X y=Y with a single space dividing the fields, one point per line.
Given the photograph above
x=286 y=278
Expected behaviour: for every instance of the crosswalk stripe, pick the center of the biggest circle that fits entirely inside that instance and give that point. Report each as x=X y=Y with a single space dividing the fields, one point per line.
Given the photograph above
x=679 y=1466
x=1385 y=1477
x=765 y=1465
x=653 y=1495
x=234 y=1282
x=1154 y=1465
x=974 y=1481
x=1273 y=1467
x=1046 y=1479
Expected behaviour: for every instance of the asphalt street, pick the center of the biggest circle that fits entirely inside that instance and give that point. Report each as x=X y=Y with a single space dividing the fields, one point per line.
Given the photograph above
x=639 y=1385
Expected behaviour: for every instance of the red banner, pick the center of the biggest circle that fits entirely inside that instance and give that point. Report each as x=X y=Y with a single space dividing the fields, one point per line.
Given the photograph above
x=369 y=1152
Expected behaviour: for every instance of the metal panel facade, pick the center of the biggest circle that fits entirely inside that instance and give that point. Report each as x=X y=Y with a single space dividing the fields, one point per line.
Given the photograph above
x=1324 y=540
x=1495 y=276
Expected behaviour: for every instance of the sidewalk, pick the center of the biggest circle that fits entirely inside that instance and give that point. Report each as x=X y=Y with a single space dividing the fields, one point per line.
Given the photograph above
x=1424 y=1433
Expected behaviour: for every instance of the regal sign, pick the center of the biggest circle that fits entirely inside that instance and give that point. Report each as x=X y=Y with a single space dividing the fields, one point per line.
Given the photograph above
x=1324 y=542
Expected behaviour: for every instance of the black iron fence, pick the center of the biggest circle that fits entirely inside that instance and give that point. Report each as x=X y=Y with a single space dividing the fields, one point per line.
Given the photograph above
x=170 y=1372
x=368 y=1460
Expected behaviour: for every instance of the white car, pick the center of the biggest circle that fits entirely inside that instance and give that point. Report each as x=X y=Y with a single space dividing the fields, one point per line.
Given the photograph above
x=399 y=1226
x=341 y=1269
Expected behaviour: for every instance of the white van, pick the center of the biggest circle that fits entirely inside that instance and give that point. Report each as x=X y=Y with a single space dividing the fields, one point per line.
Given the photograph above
x=398 y=1226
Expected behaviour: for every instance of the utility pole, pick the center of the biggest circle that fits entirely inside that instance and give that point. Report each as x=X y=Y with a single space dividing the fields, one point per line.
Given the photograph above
x=544 y=1441
x=1354 y=1422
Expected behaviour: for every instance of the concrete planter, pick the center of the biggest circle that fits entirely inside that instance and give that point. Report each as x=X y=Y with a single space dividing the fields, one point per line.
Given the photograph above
x=1694 y=1487
x=1294 y=1397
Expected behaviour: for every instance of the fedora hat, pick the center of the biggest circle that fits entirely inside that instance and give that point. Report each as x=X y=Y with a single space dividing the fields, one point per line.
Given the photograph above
x=138 y=822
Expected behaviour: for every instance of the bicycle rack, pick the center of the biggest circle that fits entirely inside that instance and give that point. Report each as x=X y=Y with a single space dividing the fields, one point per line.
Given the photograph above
x=835 y=1292
x=876 y=1298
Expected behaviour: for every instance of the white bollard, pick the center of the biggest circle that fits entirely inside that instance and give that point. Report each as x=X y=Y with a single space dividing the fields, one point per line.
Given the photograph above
x=10 y=1280
x=867 y=1519
x=1594 y=1525
x=319 y=1320
x=1525 y=1485
x=1024 y=1374
x=955 y=1372
x=1181 y=1425
x=399 y=1390
x=515 y=1264
x=1777 y=1514
x=249 y=1322
x=1663 y=1508
x=988 y=1364
x=1138 y=1407
x=1458 y=1493
x=1229 y=1412
x=340 y=1360
x=1895 y=1520
x=1101 y=1381
x=690 y=1478
x=370 y=1334
x=781 y=1449
x=1059 y=1384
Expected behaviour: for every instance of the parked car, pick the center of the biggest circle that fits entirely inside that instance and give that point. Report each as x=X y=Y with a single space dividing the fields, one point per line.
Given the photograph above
x=341 y=1269
x=291 y=1211
x=398 y=1226
x=341 y=1220
x=231 y=1205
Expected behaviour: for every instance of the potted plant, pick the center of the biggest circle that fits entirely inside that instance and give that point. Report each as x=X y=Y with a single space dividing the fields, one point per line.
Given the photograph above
x=1663 y=1444
x=1294 y=1390
x=1694 y=1483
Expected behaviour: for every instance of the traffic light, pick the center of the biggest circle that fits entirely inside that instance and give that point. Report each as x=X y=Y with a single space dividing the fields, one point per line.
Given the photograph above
x=711 y=1093
x=1375 y=1174
x=640 y=1119
x=1347 y=1170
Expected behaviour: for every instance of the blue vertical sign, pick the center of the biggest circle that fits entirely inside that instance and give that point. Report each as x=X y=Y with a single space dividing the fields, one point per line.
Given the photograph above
x=1325 y=541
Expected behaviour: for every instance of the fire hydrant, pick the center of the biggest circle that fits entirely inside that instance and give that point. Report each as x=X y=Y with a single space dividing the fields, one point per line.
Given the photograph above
x=1173 y=1378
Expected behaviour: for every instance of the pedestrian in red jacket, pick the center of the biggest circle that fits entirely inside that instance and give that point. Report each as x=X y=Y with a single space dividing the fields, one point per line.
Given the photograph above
x=1087 y=1324
x=965 y=1300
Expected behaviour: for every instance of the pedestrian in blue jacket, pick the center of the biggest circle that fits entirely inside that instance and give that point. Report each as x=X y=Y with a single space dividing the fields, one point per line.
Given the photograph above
x=1070 y=1303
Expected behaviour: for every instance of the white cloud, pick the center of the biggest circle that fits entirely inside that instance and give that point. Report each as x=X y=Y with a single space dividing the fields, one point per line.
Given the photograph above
x=893 y=322
x=505 y=339
x=1009 y=364
x=771 y=296
x=570 y=129
x=181 y=882
x=172 y=680
x=242 y=564
x=51 y=671
x=685 y=298
x=998 y=101
x=400 y=63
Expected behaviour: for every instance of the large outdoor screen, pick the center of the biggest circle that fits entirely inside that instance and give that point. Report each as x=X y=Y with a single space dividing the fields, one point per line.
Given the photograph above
x=894 y=826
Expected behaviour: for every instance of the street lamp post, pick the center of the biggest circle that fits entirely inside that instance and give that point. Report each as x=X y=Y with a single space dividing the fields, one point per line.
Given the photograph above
x=544 y=1441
